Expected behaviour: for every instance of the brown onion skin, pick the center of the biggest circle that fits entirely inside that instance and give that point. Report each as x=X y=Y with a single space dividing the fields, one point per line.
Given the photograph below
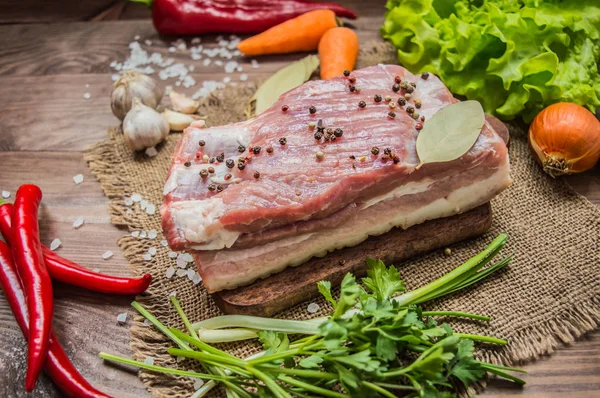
x=565 y=139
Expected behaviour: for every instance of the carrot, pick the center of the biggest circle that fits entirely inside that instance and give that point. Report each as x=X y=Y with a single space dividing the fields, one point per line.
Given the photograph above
x=298 y=34
x=338 y=50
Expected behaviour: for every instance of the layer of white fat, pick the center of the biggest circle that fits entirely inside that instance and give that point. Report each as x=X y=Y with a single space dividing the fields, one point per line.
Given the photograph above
x=297 y=250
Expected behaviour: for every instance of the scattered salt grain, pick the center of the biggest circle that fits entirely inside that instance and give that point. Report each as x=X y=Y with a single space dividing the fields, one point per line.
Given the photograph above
x=87 y=96
x=243 y=77
x=230 y=66
x=122 y=318
x=254 y=64
x=128 y=211
x=239 y=68
x=197 y=279
x=149 y=361
x=164 y=243
x=147 y=322
x=87 y=85
x=180 y=359
x=198 y=383
x=78 y=178
x=178 y=83
x=135 y=234
x=191 y=274
x=168 y=89
x=219 y=63
x=170 y=272
x=152 y=234
x=128 y=202
x=226 y=79
x=143 y=204
x=143 y=235
x=196 y=40
x=187 y=257
x=206 y=62
x=147 y=257
x=96 y=270
x=136 y=37
x=151 y=152
x=152 y=251
x=136 y=197
x=181 y=263
x=55 y=244
x=172 y=255
x=181 y=273
x=172 y=49
x=313 y=307
x=5 y=194
x=151 y=209
x=115 y=77
x=191 y=68
x=173 y=293
x=78 y=222
x=107 y=254
x=148 y=42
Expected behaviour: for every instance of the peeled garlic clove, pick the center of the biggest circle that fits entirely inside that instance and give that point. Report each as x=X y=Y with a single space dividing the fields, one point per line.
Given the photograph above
x=143 y=127
x=133 y=85
x=178 y=121
x=182 y=103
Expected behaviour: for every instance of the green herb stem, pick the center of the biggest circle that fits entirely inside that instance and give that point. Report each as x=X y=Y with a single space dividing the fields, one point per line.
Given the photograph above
x=379 y=389
x=486 y=339
x=225 y=335
x=219 y=360
x=259 y=323
x=457 y=314
x=159 y=325
x=275 y=388
x=311 y=374
x=309 y=387
x=184 y=317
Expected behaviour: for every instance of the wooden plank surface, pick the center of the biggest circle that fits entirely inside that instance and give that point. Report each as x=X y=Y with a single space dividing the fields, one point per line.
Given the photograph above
x=46 y=123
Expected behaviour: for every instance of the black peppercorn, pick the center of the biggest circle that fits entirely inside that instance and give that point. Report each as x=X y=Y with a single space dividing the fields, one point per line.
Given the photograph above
x=396 y=160
x=410 y=89
x=269 y=149
x=352 y=80
x=362 y=104
x=256 y=175
x=212 y=187
x=187 y=164
x=256 y=150
x=425 y=75
x=212 y=160
x=221 y=157
x=338 y=132
x=375 y=150
x=346 y=72
x=283 y=140
x=352 y=157
x=219 y=188
x=413 y=84
x=377 y=98
x=352 y=88
x=410 y=110
x=229 y=163
x=312 y=110
x=203 y=173
x=211 y=170
x=401 y=101
x=318 y=135
x=241 y=148
x=202 y=143
x=241 y=165
x=392 y=115
x=395 y=88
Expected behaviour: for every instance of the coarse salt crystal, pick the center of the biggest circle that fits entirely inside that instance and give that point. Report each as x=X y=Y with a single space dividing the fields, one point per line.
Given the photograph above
x=147 y=322
x=115 y=77
x=96 y=270
x=178 y=84
x=230 y=66
x=136 y=37
x=149 y=361
x=87 y=95
x=147 y=257
x=122 y=318
x=143 y=235
x=151 y=152
x=196 y=40
x=78 y=222
x=239 y=68
x=226 y=80
x=148 y=42
x=219 y=63
x=128 y=202
x=206 y=62
x=172 y=255
x=181 y=263
x=243 y=77
x=190 y=274
x=136 y=197
x=172 y=49
x=143 y=204
x=313 y=307
x=198 y=383
x=78 y=178
x=170 y=272
x=173 y=293
x=164 y=243
x=197 y=279
x=128 y=211
x=55 y=244
x=152 y=234
x=152 y=251
x=107 y=254
x=181 y=273
x=151 y=209
x=180 y=359
x=168 y=89
x=135 y=234
x=191 y=68
x=187 y=257
x=5 y=194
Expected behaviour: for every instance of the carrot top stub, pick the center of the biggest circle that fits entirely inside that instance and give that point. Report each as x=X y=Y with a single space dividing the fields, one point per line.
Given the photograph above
x=302 y=33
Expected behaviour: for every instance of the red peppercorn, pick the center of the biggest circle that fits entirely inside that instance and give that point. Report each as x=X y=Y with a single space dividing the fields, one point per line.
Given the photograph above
x=422 y=118
x=397 y=80
x=285 y=108
x=419 y=126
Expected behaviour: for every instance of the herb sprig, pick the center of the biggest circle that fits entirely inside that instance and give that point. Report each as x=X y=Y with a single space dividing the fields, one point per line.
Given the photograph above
x=372 y=345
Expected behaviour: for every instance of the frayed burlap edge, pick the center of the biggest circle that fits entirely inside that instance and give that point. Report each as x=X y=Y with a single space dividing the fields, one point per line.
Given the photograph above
x=526 y=344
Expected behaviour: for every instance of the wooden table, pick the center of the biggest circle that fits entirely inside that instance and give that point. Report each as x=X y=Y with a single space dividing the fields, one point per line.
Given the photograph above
x=50 y=55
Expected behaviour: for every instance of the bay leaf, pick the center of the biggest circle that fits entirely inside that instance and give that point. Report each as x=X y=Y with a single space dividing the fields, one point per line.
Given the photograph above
x=450 y=132
x=285 y=79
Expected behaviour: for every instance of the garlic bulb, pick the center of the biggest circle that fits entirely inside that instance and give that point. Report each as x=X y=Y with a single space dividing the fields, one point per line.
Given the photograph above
x=182 y=103
x=133 y=85
x=178 y=121
x=144 y=127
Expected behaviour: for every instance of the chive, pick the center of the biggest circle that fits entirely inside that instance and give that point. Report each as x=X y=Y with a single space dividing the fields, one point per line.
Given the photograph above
x=184 y=318
x=311 y=388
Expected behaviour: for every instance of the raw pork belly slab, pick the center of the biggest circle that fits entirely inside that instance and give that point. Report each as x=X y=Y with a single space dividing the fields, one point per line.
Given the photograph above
x=283 y=205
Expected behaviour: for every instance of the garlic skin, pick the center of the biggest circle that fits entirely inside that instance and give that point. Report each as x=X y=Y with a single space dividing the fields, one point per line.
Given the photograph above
x=182 y=103
x=178 y=121
x=144 y=127
x=133 y=85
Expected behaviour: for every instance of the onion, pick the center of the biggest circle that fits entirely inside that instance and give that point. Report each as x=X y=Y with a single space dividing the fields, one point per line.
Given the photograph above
x=565 y=139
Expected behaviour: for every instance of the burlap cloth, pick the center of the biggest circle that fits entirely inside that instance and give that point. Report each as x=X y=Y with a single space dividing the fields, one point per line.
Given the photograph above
x=549 y=294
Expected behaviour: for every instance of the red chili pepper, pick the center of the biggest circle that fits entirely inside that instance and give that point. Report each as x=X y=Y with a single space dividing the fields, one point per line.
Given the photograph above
x=188 y=17
x=27 y=254
x=58 y=366
x=66 y=271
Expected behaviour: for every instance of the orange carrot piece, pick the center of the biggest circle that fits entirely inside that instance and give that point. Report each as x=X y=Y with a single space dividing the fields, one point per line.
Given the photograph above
x=338 y=50
x=298 y=34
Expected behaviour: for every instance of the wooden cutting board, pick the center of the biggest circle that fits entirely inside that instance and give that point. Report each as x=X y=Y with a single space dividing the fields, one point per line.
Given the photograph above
x=268 y=296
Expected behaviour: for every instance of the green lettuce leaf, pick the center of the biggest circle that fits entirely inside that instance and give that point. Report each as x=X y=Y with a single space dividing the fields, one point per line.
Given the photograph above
x=513 y=56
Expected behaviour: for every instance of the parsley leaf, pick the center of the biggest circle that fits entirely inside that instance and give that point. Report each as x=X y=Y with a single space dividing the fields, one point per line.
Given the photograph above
x=325 y=289
x=464 y=367
x=382 y=281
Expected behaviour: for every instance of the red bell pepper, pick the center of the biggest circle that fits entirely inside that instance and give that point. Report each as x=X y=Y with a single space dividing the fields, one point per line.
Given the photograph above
x=189 y=17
